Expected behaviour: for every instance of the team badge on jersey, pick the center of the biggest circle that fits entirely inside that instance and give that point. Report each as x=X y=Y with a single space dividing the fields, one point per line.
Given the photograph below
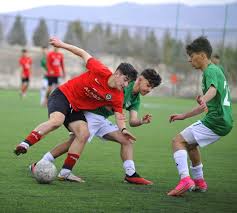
x=108 y=97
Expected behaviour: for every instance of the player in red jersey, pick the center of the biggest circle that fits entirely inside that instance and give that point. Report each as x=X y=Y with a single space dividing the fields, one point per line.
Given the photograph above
x=25 y=62
x=90 y=90
x=55 y=70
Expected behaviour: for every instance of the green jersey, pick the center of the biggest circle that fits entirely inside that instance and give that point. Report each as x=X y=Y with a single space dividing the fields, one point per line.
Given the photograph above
x=219 y=116
x=131 y=102
x=43 y=63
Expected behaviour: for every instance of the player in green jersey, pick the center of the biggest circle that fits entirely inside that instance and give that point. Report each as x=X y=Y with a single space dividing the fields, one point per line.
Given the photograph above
x=44 y=85
x=215 y=59
x=217 y=122
x=100 y=126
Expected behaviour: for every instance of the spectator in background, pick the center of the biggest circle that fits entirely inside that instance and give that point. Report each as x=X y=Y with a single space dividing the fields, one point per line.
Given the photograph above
x=215 y=59
x=44 y=85
x=55 y=70
x=25 y=62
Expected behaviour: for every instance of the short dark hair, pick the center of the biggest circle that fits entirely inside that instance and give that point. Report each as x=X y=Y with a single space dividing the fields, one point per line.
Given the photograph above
x=24 y=50
x=152 y=76
x=128 y=70
x=216 y=56
x=201 y=44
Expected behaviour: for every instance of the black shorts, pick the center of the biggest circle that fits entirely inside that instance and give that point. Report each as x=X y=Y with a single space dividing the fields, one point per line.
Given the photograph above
x=52 y=80
x=58 y=102
x=25 y=80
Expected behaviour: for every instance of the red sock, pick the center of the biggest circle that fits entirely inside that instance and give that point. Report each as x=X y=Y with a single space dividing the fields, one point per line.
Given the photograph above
x=33 y=138
x=70 y=161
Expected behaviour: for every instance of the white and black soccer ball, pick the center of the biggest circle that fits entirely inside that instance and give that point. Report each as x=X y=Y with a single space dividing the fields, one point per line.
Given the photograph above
x=45 y=171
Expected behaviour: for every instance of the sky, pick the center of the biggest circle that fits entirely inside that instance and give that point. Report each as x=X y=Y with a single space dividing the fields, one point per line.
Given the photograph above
x=16 y=5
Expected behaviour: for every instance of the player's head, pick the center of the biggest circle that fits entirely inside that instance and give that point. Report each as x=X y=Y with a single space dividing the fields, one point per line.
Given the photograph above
x=215 y=59
x=124 y=73
x=148 y=80
x=199 y=51
x=24 y=52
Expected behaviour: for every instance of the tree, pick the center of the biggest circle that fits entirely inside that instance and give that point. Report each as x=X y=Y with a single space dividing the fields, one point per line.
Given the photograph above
x=17 y=33
x=168 y=49
x=151 y=49
x=96 y=39
x=41 y=35
x=74 y=34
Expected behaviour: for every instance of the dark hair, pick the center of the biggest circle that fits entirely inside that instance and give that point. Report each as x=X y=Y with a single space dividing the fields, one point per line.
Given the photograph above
x=216 y=56
x=201 y=44
x=152 y=76
x=23 y=50
x=128 y=70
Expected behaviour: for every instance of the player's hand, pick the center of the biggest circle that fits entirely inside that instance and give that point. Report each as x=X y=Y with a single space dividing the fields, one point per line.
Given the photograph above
x=146 y=119
x=129 y=135
x=56 y=42
x=175 y=117
x=202 y=103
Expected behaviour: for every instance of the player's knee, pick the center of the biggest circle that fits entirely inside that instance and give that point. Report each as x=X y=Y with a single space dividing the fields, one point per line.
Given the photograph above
x=55 y=123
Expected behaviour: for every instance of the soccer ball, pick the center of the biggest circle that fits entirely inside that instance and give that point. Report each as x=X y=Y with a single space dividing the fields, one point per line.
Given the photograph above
x=45 y=171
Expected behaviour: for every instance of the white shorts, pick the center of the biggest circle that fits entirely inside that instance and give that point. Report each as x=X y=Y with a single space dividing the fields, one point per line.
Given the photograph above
x=200 y=134
x=44 y=83
x=99 y=125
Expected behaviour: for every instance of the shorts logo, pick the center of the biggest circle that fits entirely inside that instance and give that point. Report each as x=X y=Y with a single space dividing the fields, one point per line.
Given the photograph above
x=108 y=97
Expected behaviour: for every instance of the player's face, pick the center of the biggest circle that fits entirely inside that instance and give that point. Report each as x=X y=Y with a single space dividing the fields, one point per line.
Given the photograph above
x=121 y=81
x=196 y=60
x=144 y=86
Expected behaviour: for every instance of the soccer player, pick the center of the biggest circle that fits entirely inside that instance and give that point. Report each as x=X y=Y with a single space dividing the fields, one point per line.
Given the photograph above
x=44 y=86
x=55 y=70
x=25 y=62
x=101 y=127
x=215 y=59
x=95 y=88
x=217 y=122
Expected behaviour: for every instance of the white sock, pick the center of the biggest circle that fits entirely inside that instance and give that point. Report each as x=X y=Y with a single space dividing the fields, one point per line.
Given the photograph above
x=25 y=145
x=65 y=172
x=180 y=158
x=129 y=167
x=48 y=157
x=197 y=171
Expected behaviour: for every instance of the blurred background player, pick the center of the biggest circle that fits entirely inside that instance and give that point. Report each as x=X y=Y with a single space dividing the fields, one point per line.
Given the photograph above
x=216 y=60
x=101 y=127
x=55 y=70
x=44 y=85
x=25 y=62
x=217 y=122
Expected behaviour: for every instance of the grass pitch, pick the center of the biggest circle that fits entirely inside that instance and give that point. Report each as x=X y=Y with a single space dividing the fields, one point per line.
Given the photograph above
x=101 y=167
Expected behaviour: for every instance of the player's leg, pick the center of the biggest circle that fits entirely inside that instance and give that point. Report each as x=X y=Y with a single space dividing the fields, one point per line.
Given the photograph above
x=126 y=153
x=180 y=157
x=80 y=129
x=197 y=168
x=43 y=91
x=58 y=105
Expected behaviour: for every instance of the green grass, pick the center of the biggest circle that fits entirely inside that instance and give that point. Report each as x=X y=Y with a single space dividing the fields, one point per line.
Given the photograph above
x=101 y=167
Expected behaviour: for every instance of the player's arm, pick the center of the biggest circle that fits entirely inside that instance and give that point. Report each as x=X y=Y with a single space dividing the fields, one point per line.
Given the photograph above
x=62 y=66
x=120 y=121
x=195 y=111
x=134 y=121
x=210 y=94
x=71 y=48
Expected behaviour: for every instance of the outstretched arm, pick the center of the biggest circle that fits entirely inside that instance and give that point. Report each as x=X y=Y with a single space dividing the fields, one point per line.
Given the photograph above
x=202 y=107
x=75 y=50
x=134 y=121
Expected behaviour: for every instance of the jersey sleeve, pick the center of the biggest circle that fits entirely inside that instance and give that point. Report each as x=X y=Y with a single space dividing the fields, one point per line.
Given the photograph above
x=211 y=78
x=95 y=66
x=135 y=105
